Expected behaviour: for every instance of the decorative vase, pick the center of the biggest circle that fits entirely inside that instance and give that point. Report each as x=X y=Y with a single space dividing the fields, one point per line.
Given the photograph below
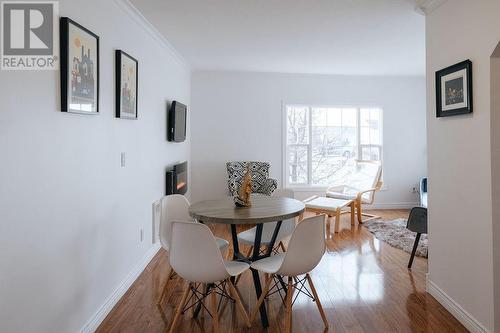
x=242 y=199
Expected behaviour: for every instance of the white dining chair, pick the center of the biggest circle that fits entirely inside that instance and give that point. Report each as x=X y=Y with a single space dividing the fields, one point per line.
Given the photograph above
x=175 y=207
x=195 y=256
x=247 y=237
x=305 y=250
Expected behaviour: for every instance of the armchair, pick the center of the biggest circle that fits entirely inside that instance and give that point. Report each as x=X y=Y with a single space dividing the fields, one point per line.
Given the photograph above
x=261 y=183
x=361 y=182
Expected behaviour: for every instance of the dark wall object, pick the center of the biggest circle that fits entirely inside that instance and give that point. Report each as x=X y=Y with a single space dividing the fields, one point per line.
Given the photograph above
x=76 y=67
x=177 y=120
x=119 y=113
x=454 y=90
x=176 y=181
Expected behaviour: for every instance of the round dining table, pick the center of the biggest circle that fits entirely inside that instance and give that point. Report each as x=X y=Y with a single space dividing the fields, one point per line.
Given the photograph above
x=263 y=209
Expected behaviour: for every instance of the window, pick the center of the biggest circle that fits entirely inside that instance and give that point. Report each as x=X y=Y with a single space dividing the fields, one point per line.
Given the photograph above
x=322 y=140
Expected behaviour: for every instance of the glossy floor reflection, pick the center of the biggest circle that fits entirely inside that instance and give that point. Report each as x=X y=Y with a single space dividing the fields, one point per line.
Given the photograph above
x=363 y=284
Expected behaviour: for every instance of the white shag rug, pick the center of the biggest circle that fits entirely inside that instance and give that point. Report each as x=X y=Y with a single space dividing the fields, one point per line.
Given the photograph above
x=395 y=234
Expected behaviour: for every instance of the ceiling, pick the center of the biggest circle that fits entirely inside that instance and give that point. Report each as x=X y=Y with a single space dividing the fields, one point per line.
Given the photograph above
x=345 y=37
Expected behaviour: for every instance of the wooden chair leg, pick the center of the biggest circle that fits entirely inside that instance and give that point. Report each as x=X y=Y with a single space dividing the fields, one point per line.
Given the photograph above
x=193 y=303
x=360 y=218
x=215 y=315
x=262 y=297
x=202 y=309
x=282 y=246
x=179 y=309
x=316 y=298
x=240 y=306
x=289 y=296
x=171 y=274
x=249 y=252
x=353 y=213
x=415 y=246
x=337 y=220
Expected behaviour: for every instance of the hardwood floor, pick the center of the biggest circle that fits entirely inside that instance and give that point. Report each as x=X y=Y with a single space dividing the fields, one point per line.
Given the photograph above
x=363 y=284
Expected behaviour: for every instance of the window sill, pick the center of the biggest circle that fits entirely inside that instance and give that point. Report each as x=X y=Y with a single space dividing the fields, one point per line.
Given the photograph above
x=307 y=188
x=317 y=189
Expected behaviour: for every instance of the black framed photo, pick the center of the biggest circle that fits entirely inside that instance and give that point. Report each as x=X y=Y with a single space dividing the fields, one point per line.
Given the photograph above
x=79 y=49
x=126 y=83
x=454 y=90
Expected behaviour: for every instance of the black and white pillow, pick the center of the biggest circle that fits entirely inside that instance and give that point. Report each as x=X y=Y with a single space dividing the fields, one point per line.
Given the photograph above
x=260 y=177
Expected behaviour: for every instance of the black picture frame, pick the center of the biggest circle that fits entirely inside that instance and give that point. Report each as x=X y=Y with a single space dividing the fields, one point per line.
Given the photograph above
x=64 y=30
x=457 y=98
x=119 y=55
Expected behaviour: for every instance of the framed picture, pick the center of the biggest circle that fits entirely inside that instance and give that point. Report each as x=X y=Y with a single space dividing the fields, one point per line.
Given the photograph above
x=454 y=90
x=127 y=77
x=79 y=68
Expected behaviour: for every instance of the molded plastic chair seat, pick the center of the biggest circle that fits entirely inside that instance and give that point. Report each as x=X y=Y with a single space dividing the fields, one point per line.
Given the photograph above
x=221 y=243
x=248 y=237
x=235 y=268
x=269 y=265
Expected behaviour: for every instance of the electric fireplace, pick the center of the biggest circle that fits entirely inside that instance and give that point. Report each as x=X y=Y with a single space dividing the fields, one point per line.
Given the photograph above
x=177 y=179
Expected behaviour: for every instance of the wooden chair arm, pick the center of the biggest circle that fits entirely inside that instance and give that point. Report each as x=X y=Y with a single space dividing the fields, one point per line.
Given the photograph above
x=360 y=194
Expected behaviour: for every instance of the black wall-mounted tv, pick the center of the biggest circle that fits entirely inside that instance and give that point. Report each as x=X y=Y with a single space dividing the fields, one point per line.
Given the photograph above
x=176 y=127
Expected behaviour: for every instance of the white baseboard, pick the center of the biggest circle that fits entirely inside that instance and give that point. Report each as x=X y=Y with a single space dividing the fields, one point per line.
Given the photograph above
x=455 y=309
x=122 y=288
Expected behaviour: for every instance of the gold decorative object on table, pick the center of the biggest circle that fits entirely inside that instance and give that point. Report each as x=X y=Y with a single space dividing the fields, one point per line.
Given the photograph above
x=242 y=199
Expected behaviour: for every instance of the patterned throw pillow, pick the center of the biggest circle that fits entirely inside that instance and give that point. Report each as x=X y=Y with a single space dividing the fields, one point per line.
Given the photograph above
x=260 y=176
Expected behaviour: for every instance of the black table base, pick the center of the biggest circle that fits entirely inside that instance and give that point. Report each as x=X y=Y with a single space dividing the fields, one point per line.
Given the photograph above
x=237 y=255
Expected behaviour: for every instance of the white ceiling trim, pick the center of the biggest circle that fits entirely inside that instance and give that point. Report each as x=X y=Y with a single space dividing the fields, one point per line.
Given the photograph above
x=425 y=7
x=137 y=16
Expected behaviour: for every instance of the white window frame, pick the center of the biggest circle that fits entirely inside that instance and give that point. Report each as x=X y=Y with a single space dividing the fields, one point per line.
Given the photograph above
x=286 y=170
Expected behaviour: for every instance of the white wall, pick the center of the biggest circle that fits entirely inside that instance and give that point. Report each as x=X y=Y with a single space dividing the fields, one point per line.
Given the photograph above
x=70 y=216
x=238 y=116
x=460 y=201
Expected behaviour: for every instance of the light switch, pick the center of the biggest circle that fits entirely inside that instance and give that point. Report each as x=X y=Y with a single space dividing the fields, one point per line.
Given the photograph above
x=122 y=160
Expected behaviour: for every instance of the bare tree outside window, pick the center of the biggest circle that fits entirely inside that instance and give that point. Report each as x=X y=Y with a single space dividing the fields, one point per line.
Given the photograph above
x=298 y=141
x=322 y=141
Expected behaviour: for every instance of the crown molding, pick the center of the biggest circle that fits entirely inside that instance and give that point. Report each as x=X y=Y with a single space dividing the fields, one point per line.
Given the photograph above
x=137 y=16
x=425 y=7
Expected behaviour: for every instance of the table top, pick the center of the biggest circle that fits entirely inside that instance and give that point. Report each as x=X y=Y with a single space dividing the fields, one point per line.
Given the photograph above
x=264 y=209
